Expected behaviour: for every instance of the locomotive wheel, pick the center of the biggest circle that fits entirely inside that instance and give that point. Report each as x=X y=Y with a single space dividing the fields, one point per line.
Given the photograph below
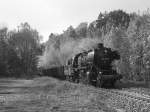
x=99 y=81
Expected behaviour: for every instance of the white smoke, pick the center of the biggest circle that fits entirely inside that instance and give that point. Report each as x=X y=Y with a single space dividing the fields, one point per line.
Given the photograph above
x=58 y=57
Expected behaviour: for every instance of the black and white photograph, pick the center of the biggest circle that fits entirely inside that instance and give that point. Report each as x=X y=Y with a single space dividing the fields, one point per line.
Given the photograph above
x=74 y=56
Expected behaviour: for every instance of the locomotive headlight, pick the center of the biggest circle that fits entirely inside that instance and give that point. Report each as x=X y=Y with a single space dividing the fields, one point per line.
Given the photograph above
x=87 y=72
x=100 y=72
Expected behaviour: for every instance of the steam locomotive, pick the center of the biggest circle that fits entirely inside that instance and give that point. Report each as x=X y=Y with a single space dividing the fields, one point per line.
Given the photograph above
x=93 y=67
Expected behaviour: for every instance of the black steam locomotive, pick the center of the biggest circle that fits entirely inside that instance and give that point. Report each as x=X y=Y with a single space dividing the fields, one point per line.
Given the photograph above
x=93 y=67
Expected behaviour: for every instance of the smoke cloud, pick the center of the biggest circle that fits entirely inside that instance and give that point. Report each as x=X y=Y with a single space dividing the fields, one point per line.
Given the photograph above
x=53 y=57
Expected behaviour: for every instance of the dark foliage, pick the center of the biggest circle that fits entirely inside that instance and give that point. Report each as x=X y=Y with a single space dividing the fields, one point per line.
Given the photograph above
x=19 y=51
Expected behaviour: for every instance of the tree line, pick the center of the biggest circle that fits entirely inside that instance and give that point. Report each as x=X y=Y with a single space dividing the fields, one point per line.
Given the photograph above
x=18 y=51
x=128 y=33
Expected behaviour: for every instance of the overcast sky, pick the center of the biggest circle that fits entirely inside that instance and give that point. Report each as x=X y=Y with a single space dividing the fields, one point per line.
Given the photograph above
x=54 y=16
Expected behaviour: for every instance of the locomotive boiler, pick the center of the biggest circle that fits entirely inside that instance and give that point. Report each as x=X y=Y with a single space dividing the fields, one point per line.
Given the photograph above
x=93 y=67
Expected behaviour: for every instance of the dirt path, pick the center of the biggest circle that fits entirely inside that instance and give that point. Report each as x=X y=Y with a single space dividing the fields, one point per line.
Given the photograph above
x=50 y=95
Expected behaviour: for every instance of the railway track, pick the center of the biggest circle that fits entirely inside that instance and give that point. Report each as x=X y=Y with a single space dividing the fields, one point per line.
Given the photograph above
x=131 y=95
x=142 y=91
x=127 y=100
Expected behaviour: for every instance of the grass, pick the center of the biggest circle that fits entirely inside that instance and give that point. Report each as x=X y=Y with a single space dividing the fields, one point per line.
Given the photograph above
x=50 y=95
x=47 y=94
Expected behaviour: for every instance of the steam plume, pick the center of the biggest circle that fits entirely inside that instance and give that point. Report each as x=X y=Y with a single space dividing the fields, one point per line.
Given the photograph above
x=53 y=57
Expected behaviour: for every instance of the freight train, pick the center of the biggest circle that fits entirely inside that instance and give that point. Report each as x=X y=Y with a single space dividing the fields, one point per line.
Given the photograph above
x=93 y=67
